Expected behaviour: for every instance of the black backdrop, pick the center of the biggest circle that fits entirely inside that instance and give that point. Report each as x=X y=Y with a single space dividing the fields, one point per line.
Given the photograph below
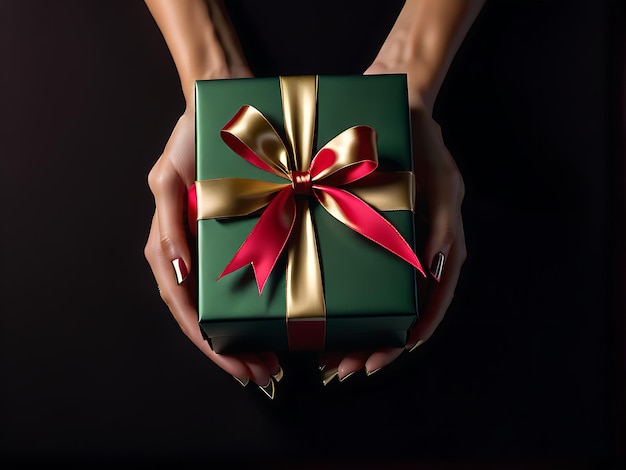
x=527 y=366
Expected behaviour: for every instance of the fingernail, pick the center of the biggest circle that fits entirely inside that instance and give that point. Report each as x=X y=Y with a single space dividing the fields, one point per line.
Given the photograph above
x=242 y=382
x=268 y=389
x=180 y=270
x=436 y=268
x=341 y=379
x=417 y=345
x=371 y=372
x=328 y=376
x=278 y=375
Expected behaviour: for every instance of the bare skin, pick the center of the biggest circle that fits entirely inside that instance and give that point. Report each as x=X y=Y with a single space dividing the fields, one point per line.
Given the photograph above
x=204 y=45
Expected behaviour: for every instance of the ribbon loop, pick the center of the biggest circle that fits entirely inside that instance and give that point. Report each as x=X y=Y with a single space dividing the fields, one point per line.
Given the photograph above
x=251 y=136
x=349 y=156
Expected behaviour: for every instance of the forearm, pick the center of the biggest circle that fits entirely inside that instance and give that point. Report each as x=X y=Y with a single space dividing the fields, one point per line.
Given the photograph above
x=200 y=39
x=424 y=40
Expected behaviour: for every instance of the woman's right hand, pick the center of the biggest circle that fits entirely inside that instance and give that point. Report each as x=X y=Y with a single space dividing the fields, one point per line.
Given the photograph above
x=168 y=253
x=204 y=46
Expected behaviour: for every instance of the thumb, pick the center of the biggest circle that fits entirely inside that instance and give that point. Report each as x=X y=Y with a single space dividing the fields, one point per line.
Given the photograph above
x=169 y=195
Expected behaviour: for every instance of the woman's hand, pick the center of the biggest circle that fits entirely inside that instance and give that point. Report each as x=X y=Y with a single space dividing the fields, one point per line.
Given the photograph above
x=440 y=192
x=204 y=46
x=421 y=45
x=170 y=257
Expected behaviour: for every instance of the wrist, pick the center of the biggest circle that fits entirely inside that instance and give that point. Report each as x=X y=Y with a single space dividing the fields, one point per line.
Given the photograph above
x=421 y=92
x=214 y=70
x=423 y=42
x=423 y=86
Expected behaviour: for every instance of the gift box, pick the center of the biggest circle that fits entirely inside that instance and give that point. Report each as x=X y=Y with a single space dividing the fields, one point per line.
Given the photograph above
x=305 y=228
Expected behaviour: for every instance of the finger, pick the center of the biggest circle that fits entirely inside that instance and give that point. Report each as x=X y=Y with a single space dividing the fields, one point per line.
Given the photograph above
x=258 y=370
x=260 y=373
x=381 y=358
x=351 y=363
x=445 y=199
x=181 y=305
x=273 y=365
x=441 y=294
x=329 y=365
x=440 y=185
x=169 y=195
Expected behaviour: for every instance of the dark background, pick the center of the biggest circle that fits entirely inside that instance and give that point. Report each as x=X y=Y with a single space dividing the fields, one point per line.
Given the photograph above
x=526 y=368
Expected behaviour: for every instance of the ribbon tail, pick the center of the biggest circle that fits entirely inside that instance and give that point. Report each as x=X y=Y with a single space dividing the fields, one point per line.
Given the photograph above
x=306 y=308
x=267 y=239
x=360 y=217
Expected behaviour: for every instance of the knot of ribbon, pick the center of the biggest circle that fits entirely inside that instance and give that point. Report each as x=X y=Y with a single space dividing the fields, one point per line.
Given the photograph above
x=341 y=177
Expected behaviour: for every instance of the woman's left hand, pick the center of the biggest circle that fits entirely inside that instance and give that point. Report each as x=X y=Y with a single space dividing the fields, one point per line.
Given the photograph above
x=440 y=193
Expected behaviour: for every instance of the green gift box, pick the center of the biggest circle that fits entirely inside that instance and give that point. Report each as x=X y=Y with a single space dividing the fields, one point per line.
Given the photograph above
x=367 y=294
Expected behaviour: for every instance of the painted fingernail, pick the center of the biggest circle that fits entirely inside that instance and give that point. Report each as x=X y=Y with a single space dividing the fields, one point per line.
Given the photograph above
x=268 y=389
x=341 y=379
x=180 y=270
x=417 y=345
x=328 y=376
x=242 y=382
x=278 y=375
x=371 y=372
x=436 y=268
